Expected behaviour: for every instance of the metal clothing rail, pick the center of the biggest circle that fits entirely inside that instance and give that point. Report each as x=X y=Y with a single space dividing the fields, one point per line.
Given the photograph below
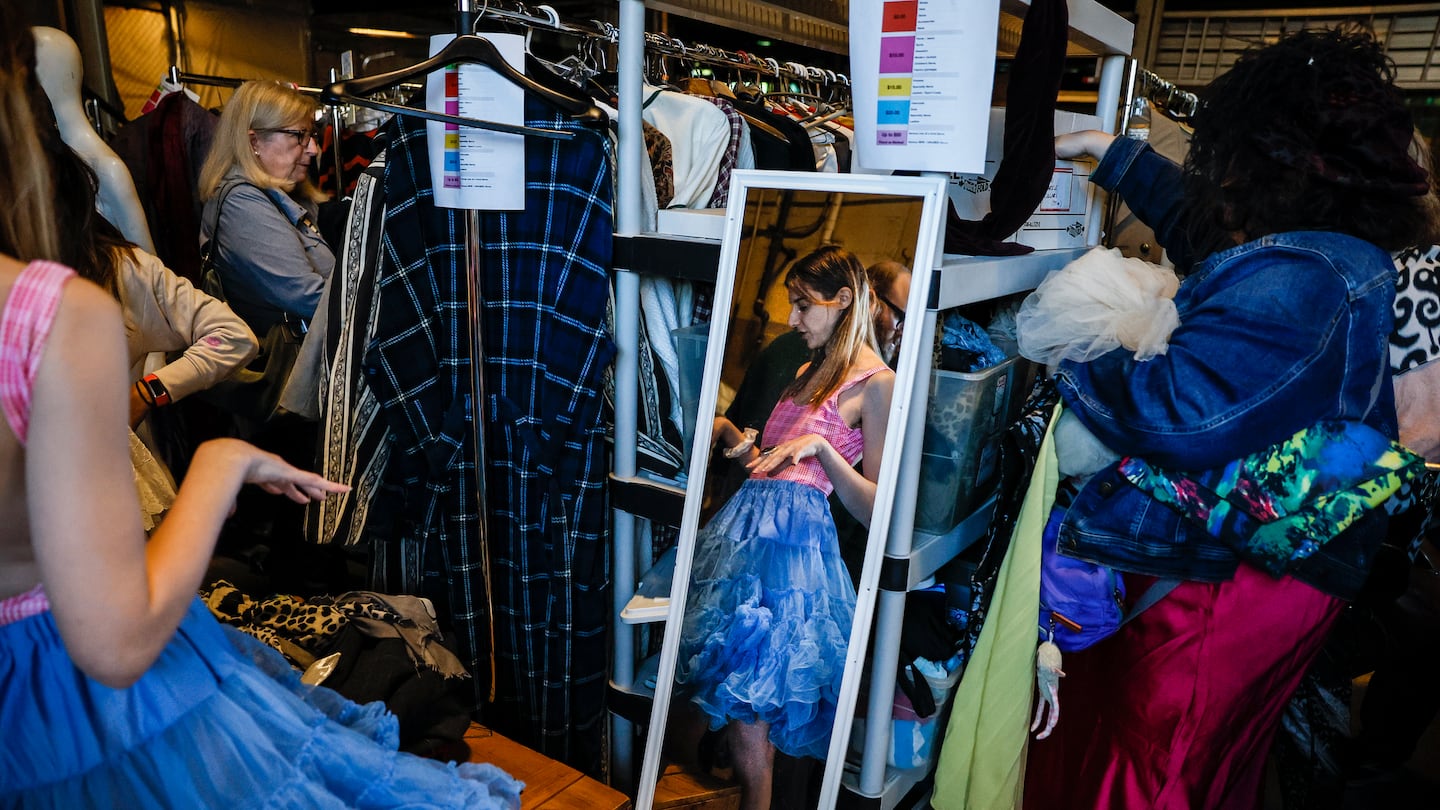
x=1174 y=102
x=547 y=18
x=665 y=45
x=178 y=76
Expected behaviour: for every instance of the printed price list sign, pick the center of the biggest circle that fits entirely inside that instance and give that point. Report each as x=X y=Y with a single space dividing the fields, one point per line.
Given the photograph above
x=922 y=72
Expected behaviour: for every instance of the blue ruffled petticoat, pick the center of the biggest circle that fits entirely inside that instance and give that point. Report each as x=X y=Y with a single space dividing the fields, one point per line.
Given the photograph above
x=220 y=721
x=768 y=616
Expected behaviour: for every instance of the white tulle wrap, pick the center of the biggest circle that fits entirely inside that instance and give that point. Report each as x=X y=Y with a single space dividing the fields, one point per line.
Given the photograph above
x=1100 y=302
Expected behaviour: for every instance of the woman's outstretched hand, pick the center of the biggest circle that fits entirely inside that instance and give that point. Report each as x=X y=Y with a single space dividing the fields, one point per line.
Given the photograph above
x=275 y=475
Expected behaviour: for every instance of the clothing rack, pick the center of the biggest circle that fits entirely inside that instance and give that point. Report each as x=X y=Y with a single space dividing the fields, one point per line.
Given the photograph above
x=549 y=19
x=741 y=62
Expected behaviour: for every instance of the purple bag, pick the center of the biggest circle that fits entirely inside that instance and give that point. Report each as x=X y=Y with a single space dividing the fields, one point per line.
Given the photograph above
x=1082 y=602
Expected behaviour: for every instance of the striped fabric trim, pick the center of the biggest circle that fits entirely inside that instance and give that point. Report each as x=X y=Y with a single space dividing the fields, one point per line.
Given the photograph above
x=24 y=326
x=22 y=606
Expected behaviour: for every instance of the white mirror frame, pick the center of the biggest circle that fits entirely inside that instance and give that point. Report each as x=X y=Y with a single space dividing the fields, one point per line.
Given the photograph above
x=930 y=191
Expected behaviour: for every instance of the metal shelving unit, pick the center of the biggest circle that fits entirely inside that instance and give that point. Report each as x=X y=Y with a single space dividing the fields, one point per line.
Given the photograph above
x=911 y=557
x=959 y=280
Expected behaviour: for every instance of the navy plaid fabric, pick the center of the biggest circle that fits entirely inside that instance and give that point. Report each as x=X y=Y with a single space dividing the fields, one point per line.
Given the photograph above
x=544 y=285
x=418 y=366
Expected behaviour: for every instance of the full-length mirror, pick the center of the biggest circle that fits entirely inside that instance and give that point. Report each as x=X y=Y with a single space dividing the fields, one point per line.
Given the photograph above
x=796 y=447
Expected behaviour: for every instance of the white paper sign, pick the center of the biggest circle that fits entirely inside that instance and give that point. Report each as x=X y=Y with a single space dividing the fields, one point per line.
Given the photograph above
x=921 y=73
x=470 y=167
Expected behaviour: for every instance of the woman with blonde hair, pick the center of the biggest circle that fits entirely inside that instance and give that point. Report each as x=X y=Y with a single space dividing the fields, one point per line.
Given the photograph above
x=117 y=686
x=260 y=206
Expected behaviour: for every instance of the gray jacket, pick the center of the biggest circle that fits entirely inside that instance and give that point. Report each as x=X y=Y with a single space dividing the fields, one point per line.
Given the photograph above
x=272 y=260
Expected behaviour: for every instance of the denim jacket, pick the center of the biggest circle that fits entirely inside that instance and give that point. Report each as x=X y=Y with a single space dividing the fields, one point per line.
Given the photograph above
x=1275 y=335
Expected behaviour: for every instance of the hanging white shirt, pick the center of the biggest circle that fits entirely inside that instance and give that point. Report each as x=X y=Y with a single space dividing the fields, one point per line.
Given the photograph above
x=699 y=134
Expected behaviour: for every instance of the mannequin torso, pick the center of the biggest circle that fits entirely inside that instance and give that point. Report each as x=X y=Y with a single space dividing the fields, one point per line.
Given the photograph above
x=57 y=66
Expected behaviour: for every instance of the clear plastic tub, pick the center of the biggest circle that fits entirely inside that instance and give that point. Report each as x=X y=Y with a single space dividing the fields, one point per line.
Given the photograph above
x=967 y=415
x=690 y=344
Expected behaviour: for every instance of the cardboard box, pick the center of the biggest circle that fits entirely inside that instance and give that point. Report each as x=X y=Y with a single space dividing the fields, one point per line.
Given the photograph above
x=1060 y=220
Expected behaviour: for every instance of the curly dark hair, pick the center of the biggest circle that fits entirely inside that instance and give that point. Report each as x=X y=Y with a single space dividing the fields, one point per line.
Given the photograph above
x=1309 y=133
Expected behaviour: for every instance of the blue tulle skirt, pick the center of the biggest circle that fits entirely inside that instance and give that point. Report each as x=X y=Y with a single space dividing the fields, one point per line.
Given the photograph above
x=220 y=721
x=768 y=616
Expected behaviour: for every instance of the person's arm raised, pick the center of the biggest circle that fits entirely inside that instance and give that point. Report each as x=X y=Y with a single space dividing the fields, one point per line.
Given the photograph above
x=1091 y=143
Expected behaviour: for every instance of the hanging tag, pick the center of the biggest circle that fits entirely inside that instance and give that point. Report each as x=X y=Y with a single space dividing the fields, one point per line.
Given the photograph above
x=469 y=167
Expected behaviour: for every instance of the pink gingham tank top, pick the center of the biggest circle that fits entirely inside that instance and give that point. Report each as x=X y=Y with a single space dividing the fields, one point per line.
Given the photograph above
x=24 y=327
x=792 y=419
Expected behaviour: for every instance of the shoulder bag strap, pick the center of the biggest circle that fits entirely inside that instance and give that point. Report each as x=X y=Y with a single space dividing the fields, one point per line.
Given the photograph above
x=1157 y=591
x=225 y=189
x=294 y=323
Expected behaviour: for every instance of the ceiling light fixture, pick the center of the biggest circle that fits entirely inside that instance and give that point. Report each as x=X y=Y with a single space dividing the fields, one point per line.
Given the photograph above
x=383 y=33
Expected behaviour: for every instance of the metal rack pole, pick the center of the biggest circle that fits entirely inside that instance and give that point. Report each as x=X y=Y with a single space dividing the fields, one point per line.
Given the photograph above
x=1113 y=79
x=628 y=220
x=464 y=20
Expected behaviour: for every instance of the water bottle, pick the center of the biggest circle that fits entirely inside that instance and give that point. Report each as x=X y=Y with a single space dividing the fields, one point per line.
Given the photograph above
x=1137 y=124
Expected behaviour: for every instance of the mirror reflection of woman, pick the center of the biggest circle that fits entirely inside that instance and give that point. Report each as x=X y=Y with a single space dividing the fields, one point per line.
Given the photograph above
x=771 y=602
x=890 y=281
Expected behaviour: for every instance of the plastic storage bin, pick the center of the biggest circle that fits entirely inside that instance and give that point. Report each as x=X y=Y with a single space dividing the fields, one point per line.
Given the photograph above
x=913 y=739
x=690 y=344
x=967 y=415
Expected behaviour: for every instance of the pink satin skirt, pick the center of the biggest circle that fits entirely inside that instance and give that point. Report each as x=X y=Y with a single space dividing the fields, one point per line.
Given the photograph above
x=1179 y=708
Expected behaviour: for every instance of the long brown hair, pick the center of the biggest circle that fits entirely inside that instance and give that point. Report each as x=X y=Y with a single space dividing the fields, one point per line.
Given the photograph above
x=824 y=273
x=28 y=228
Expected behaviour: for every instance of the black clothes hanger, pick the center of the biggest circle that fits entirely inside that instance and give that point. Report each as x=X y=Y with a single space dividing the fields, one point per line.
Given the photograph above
x=468 y=49
x=544 y=75
x=335 y=94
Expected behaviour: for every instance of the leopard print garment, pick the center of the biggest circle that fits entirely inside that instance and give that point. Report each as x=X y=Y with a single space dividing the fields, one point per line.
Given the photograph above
x=294 y=626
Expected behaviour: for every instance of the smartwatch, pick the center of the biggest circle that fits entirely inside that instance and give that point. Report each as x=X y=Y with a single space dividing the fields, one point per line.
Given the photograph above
x=156 y=389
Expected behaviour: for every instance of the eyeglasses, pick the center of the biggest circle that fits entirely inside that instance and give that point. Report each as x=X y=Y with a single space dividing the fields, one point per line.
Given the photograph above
x=301 y=136
x=894 y=310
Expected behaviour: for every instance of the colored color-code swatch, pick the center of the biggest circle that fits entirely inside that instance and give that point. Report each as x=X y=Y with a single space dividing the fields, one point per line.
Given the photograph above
x=895 y=86
x=899 y=16
x=893 y=113
x=451 y=176
x=897 y=54
x=897 y=63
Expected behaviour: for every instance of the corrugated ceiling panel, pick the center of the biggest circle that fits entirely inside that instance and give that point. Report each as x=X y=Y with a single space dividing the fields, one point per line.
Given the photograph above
x=1196 y=47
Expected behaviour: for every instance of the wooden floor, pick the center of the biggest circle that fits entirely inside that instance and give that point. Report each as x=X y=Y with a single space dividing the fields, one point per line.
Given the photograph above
x=678 y=789
x=552 y=785
x=549 y=784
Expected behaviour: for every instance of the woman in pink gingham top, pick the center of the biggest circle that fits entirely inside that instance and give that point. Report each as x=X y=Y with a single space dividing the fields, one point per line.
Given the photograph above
x=768 y=616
